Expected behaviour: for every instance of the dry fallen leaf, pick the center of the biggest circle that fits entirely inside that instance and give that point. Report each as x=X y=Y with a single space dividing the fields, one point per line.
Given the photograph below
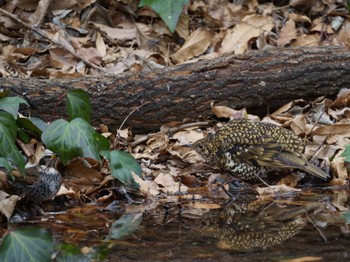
x=236 y=39
x=344 y=34
x=157 y=142
x=273 y=190
x=121 y=35
x=196 y=44
x=187 y=136
x=288 y=34
x=339 y=167
x=307 y=40
x=333 y=132
x=298 y=125
x=7 y=204
x=227 y=112
x=343 y=98
x=100 y=45
x=147 y=187
x=169 y=185
x=79 y=174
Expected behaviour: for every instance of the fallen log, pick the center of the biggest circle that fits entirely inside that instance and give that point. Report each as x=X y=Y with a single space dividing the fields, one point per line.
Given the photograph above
x=259 y=81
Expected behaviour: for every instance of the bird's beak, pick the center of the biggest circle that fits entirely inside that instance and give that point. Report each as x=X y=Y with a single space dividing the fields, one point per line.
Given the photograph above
x=187 y=145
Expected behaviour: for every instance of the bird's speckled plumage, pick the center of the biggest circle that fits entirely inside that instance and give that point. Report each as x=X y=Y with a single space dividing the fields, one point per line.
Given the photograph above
x=246 y=149
x=41 y=182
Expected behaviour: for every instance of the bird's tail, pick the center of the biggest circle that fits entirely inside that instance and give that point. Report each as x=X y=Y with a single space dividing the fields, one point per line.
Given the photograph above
x=301 y=163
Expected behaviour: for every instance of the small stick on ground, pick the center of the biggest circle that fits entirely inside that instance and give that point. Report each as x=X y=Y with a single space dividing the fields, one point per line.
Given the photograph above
x=319 y=230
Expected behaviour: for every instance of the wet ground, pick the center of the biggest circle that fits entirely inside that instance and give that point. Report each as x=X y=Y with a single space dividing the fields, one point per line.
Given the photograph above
x=172 y=242
x=309 y=226
x=297 y=235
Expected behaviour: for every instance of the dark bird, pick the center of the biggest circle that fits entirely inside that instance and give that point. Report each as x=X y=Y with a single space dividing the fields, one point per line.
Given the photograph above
x=246 y=149
x=40 y=182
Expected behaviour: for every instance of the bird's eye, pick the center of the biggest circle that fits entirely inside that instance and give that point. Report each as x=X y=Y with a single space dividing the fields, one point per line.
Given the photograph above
x=200 y=146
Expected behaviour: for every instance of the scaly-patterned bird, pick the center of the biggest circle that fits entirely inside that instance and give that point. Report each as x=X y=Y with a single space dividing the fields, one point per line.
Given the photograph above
x=41 y=182
x=246 y=149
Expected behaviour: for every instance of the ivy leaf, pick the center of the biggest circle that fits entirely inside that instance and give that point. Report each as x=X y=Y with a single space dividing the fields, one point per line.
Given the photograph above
x=121 y=164
x=78 y=105
x=102 y=142
x=168 y=10
x=27 y=244
x=32 y=124
x=346 y=153
x=8 y=148
x=71 y=139
x=125 y=226
x=346 y=216
x=4 y=163
x=23 y=136
x=11 y=105
x=9 y=123
x=3 y=93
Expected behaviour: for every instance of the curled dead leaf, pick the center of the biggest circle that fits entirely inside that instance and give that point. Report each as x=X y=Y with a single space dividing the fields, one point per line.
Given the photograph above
x=343 y=98
x=196 y=44
x=237 y=39
x=7 y=204
x=169 y=185
x=342 y=172
x=188 y=136
x=157 y=142
x=333 y=132
x=288 y=34
x=80 y=173
x=227 y=112
x=147 y=187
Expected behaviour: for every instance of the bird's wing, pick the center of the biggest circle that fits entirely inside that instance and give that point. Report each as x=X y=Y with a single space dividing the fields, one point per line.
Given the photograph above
x=32 y=176
x=260 y=151
x=266 y=152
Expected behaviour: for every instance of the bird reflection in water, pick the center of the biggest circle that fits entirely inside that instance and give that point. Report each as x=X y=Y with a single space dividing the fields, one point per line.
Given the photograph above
x=248 y=227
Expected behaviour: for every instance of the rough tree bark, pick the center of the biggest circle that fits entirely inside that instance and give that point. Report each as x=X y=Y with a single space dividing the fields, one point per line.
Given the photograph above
x=259 y=81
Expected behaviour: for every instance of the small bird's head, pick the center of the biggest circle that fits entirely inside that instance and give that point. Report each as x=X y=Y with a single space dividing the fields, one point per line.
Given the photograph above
x=202 y=146
x=48 y=161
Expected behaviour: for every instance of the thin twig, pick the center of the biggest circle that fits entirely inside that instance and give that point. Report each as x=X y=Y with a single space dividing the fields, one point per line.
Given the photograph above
x=125 y=119
x=264 y=209
x=262 y=180
x=172 y=130
x=132 y=111
x=266 y=184
x=318 y=120
x=44 y=35
x=319 y=230
x=140 y=141
x=324 y=141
